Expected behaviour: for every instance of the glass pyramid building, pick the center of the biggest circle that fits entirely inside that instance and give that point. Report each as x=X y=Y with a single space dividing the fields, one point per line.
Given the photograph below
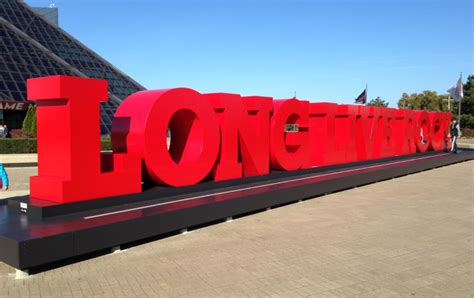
x=31 y=46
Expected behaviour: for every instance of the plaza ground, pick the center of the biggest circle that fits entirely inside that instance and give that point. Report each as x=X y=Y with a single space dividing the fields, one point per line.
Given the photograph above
x=410 y=236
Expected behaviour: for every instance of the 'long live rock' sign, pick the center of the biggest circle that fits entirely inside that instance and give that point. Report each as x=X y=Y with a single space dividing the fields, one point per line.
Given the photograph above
x=217 y=136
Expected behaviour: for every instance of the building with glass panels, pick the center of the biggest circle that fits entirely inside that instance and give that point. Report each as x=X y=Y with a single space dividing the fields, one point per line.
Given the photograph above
x=49 y=13
x=34 y=46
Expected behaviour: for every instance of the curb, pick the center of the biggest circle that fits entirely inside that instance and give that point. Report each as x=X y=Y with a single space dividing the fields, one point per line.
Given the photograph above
x=20 y=164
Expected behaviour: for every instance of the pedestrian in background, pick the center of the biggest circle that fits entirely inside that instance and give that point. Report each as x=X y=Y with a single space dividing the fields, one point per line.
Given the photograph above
x=4 y=178
x=454 y=133
x=6 y=131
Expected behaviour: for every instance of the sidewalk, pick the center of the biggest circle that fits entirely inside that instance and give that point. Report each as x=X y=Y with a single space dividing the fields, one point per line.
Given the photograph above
x=466 y=143
x=19 y=181
x=19 y=160
x=406 y=237
x=13 y=193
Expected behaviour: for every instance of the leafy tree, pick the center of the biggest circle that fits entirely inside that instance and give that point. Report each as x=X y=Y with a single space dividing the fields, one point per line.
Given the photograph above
x=428 y=100
x=378 y=102
x=468 y=100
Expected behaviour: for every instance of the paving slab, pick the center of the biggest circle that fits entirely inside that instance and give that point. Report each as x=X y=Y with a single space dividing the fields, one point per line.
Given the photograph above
x=410 y=236
x=18 y=159
x=19 y=181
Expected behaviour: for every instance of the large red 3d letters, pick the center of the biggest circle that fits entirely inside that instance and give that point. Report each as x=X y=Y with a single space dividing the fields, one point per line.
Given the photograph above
x=70 y=165
x=217 y=136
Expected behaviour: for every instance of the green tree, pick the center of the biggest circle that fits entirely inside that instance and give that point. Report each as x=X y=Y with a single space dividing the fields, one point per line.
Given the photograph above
x=428 y=100
x=378 y=102
x=467 y=104
x=29 y=123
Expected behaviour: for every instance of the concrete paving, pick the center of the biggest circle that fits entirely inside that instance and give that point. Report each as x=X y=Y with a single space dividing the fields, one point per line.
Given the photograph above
x=410 y=236
x=466 y=143
x=19 y=181
x=19 y=158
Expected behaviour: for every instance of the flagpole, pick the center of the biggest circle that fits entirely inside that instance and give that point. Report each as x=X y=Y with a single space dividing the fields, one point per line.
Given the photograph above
x=459 y=106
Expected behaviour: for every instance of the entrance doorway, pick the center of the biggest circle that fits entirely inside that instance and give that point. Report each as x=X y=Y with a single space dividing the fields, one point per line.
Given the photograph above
x=13 y=119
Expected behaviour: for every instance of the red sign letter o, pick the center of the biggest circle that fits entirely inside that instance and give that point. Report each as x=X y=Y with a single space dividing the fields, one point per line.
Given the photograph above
x=194 y=134
x=423 y=131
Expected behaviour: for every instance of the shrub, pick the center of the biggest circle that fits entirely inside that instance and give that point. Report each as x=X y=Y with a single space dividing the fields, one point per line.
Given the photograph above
x=20 y=133
x=28 y=145
x=468 y=133
x=467 y=121
x=105 y=144
x=17 y=146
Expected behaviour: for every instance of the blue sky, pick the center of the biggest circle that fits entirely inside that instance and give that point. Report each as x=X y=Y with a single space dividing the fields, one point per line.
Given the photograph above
x=323 y=50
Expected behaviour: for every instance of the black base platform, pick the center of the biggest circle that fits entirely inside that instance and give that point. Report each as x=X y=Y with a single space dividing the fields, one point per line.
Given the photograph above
x=37 y=233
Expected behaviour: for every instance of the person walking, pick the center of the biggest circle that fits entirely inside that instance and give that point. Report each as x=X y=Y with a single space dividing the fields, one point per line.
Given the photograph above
x=4 y=177
x=453 y=134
